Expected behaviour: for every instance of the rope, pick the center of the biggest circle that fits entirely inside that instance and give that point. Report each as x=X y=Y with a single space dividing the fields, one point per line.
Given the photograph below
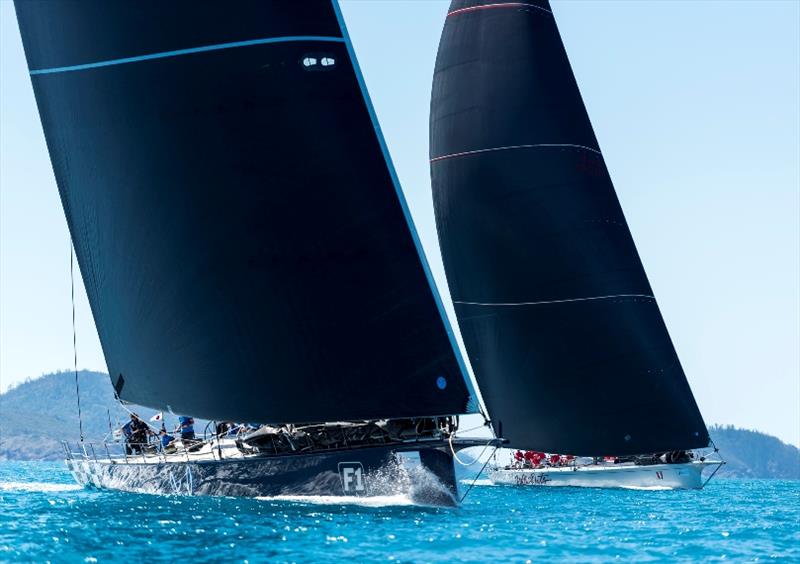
x=75 y=336
x=475 y=479
x=462 y=463
x=453 y=450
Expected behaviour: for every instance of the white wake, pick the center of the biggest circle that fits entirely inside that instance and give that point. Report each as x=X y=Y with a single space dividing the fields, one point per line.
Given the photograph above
x=37 y=487
x=365 y=501
x=647 y=488
x=479 y=482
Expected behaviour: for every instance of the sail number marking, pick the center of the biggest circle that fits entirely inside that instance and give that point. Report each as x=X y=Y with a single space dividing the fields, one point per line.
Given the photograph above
x=352 y=476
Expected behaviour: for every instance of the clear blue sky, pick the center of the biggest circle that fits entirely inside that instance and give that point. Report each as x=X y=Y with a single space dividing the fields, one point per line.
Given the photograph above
x=697 y=109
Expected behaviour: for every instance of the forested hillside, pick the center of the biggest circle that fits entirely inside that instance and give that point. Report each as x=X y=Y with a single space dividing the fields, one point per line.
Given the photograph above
x=36 y=415
x=750 y=454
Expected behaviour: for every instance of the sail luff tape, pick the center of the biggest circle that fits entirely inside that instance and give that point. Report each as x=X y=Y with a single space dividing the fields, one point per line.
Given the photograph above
x=404 y=206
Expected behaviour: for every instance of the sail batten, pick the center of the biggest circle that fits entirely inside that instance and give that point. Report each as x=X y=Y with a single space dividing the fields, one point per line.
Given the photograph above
x=234 y=212
x=565 y=337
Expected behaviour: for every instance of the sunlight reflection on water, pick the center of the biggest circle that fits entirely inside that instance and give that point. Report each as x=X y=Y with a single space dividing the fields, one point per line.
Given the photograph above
x=46 y=517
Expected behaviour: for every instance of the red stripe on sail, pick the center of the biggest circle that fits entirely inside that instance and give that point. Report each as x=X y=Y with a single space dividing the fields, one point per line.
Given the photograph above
x=500 y=5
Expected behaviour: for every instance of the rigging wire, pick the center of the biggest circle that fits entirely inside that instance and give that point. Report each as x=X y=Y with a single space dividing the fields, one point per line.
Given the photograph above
x=491 y=442
x=720 y=465
x=74 y=335
x=478 y=475
x=453 y=450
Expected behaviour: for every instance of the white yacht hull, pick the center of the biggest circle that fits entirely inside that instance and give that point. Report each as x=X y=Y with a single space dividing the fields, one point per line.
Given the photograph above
x=655 y=477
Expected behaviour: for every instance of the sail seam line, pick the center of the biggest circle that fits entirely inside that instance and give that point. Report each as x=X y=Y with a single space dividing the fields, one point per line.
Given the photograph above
x=188 y=51
x=648 y=296
x=500 y=5
x=510 y=147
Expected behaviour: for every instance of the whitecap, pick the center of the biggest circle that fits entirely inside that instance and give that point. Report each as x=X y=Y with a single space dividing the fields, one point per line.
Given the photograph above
x=647 y=488
x=480 y=482
x=366 y=501
x=37 y=487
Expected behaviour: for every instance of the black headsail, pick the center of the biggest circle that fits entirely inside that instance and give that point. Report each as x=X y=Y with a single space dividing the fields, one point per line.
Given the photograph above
x=567 y=343
x=246 y=249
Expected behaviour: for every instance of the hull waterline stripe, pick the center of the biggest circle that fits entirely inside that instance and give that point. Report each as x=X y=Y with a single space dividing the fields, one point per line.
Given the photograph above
x=646 y=296
x=404 y=205
x=501 y=5
x=189 y=51
x=512 y=147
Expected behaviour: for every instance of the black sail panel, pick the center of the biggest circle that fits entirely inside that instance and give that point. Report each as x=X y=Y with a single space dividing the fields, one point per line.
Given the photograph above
x=246 y=253
x=566 y=340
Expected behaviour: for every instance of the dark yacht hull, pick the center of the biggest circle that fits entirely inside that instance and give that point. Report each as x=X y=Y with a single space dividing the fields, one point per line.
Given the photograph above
x=423 y=473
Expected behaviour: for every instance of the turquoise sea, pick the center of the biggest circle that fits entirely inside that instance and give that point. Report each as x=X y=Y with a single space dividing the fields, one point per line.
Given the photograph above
x=44 y=516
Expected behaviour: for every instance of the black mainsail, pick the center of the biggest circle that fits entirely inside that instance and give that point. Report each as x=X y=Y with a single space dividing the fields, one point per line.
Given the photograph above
x=246 y=249
x=567 y=343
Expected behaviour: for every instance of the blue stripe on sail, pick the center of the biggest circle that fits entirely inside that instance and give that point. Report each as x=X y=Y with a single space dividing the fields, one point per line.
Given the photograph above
x=396 y=182
x=189 y=51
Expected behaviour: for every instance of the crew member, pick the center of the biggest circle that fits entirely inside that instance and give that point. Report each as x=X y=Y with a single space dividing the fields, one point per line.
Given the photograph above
x=127 y=432
x=529 y=457
x=166 y=441
x=223 y=427
x=186 y=428
x=138 y=434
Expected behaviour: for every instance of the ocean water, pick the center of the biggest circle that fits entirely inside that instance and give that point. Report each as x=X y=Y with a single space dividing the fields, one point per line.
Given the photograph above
x=44 y=516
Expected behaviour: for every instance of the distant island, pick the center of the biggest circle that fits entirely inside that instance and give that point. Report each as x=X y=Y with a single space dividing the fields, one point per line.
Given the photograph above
x=750 y=454
x=38 y=414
